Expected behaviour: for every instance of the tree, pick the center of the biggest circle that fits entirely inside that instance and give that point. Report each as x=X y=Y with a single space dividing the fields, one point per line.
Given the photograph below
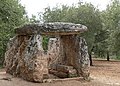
x=115 y=30
x=11 y=16
x=111 y=21
x=33 y=19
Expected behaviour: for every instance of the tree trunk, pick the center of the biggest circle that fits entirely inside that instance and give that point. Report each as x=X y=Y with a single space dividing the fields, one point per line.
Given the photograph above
x=116 y=54
x=90 y=57
x=98 y=53
x=108 y=57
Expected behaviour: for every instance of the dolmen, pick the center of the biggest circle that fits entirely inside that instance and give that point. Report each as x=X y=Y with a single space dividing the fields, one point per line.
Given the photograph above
x=66 y=55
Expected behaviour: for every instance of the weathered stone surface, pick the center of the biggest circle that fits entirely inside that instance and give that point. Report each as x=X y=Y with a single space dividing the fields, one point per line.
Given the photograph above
x=83 y=61
x=75 y=54
x=69 y=51
x=25 y=58
x=57 y=28
x=72 y=73
x=64 y=68
x=59 y=74
x=53 y=52
x=67 y=54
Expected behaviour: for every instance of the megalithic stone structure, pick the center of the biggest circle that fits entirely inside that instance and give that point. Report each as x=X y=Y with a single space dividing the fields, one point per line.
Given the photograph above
x=67 y=54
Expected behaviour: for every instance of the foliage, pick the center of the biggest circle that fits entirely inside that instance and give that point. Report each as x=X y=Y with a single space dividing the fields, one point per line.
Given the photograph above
x=115 y=18
x=33 y=19
x=45 y=43
x=111 y=21
x=11 y=16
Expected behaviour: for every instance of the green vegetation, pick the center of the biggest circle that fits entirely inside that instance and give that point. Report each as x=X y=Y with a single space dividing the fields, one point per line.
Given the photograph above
x=103 y=34
x=12 y=14
x=45 y=43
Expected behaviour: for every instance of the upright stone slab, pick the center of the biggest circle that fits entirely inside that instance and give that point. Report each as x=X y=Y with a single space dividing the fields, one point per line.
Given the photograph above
x=82 y=60
x=25 y=58
x=53 y=52
x=67 y=53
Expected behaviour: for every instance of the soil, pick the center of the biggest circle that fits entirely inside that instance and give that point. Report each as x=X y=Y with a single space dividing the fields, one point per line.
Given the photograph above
x=103 y=73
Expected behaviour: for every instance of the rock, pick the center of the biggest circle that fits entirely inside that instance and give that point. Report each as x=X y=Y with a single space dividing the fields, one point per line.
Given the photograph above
x=83 y=61
x=51 y=76
x=67 y=54
x=58 y=73
x=72 y=73
x=53 y=52
x=47 y=81
x=25 y=58
x=63 y=68
x=55 y=28
x=6 y=78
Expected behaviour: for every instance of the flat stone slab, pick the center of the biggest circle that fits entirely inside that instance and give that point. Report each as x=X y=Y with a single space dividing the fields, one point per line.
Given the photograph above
x=57 y=28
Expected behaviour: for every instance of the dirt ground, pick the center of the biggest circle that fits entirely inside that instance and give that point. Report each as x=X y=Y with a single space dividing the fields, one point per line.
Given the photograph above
x=103 y=73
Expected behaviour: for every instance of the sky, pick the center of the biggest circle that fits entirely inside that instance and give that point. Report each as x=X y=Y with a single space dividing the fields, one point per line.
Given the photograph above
x=35 y=6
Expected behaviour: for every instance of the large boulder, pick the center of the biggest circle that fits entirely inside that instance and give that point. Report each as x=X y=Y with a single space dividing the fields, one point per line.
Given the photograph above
x=56 y=28
x=25 y=58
